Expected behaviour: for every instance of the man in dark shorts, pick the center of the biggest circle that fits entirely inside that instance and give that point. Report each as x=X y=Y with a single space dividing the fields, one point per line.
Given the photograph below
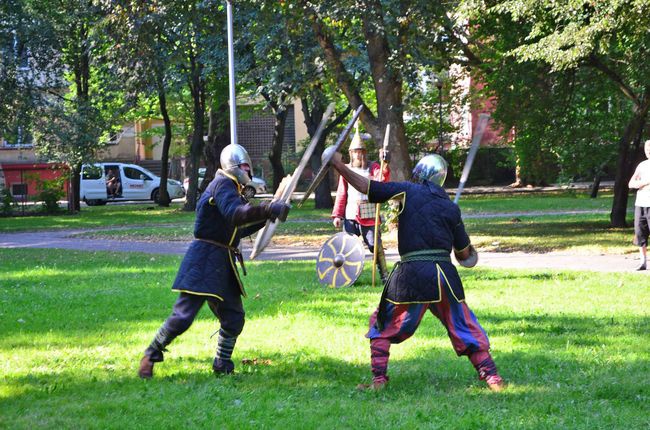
x=208 y=272
x=641 y=181
x=430 y=227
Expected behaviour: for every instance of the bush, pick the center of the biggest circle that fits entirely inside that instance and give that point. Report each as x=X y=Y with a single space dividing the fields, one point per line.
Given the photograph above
x=7 y=201
x=50 y=191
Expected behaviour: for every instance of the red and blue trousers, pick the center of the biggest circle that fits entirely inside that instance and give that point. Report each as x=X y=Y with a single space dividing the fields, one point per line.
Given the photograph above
x=401 y=320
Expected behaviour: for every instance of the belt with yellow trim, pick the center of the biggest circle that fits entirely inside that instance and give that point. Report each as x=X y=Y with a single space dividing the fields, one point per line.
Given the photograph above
x=235 y=251
x=426 y=255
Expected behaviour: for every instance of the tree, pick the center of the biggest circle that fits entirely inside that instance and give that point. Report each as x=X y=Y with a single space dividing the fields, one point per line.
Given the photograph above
x=71 y=123
x=608 y=37
x=140 y=61
x=384 y=47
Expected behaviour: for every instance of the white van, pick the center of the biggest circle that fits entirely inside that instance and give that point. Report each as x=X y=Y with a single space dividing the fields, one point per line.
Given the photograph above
x=104 y=182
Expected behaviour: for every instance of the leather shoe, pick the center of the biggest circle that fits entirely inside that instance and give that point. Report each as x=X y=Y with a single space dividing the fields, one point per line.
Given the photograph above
x=146 y=368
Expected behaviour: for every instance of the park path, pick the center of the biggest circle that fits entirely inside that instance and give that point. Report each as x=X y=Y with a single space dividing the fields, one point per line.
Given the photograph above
x=67 y=239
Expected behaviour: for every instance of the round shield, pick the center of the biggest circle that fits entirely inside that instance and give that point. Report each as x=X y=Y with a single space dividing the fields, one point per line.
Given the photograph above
x=340 y=260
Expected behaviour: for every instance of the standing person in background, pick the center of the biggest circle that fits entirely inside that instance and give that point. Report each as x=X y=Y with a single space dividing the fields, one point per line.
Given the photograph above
x=208 y=272
x=641 y=180
x=351 y=207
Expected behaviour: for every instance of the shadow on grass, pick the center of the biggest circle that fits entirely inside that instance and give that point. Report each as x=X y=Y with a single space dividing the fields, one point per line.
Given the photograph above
x=299 y=387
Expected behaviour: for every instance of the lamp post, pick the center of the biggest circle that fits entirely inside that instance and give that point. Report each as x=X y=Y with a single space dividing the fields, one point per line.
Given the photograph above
x=438 y=83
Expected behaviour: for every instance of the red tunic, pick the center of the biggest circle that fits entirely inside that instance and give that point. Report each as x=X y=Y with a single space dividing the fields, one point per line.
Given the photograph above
x=342 y=193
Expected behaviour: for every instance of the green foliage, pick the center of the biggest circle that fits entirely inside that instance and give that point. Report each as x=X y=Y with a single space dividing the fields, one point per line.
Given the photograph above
x=49 y=191
x=7 y=201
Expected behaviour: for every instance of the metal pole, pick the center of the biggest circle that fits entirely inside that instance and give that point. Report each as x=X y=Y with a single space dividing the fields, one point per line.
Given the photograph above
x=231 y=76
x=442 y=148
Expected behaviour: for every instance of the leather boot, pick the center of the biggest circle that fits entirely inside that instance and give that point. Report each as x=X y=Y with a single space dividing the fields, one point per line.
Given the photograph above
x=378 y=383
x=146 y=368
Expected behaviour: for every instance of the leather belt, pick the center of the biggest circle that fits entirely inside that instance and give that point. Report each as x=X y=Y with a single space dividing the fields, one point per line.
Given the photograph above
x=235 y=251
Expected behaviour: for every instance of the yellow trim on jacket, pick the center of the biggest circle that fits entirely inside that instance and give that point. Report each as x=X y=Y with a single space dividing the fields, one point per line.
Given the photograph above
x=198 y=294
x=439 y=279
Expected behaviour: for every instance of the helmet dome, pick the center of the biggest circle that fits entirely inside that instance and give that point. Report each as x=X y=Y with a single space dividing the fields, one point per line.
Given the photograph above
x=431 y=168
x=232 y=157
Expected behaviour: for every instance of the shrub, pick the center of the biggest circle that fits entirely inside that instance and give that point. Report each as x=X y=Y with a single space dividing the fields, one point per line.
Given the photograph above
x=7 y=201
x=50 y=191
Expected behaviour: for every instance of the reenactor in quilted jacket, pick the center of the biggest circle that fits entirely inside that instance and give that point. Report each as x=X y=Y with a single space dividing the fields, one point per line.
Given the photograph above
x=430 y=228
x=208 y=272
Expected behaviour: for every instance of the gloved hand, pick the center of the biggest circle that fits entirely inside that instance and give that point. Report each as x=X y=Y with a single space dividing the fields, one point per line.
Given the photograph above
x=277 y=210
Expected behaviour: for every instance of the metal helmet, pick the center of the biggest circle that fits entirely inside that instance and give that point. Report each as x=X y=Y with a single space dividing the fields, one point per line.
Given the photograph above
x=233 y=156
x=432 y=168
x=357 y=142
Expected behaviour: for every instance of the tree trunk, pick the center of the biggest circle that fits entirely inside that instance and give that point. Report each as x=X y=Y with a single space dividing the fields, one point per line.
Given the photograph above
x=313 y=117
x=197 y=89
x=163 y=194
x=625 y=164
x=388 y=91
x=74 y=203
x=196 y=149
x=595 y=186
x=218 y=138
x=275 y=156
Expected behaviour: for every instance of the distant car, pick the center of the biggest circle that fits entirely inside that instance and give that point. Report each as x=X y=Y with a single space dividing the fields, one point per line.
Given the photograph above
x=131 y=182
x=257 y=184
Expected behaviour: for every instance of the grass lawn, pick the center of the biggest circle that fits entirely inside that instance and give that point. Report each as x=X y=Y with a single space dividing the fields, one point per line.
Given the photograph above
x=547 y=201
x=574 y=346
x=582 y=233
x=147 y=214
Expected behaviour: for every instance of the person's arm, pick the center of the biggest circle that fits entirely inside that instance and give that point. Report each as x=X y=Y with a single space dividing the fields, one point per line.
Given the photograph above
x=341 y=199
x=358 y=182
x=637 y=180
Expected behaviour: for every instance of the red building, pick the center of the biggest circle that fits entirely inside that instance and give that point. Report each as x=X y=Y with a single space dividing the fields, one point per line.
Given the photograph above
x=21 y=178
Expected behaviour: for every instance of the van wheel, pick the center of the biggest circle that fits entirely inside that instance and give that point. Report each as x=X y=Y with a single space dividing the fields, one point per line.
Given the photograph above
x=95 y=202
x=155 y=195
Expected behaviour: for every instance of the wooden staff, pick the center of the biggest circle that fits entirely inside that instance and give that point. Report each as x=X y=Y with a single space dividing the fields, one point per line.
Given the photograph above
x=378 y=206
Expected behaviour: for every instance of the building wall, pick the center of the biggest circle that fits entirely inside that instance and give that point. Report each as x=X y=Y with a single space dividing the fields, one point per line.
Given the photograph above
x=19 y=178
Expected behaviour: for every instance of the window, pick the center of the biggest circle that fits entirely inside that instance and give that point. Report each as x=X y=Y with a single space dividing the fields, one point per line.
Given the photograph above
x=132 y=173
x=91 y=172
x=19 y=190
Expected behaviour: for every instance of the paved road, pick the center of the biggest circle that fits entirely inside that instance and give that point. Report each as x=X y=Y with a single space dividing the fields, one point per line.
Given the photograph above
x=64 y=239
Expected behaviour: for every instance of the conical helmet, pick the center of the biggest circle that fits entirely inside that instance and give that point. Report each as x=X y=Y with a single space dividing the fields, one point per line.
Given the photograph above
x=357 y=142
x=232 y=157
x=431 y=168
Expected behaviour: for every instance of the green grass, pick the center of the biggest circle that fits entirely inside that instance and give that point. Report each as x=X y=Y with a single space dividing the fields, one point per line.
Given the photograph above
x=574 y=347
x=583 y=233
x=148 y=213
x=144 y=214
x=526 y=202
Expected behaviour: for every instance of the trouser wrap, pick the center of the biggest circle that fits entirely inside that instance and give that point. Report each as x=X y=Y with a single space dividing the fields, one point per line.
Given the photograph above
x=225 y=346
x=483 y=363
x=159 y=344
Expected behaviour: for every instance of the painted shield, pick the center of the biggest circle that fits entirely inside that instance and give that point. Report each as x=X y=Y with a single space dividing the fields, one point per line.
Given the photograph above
x=340 y=260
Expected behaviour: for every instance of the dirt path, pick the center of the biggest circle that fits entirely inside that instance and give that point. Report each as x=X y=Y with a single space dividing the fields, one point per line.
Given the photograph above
x=64 y=239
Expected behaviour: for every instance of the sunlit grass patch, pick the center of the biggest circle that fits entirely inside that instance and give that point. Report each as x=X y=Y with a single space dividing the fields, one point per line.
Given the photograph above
x=573 y=345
